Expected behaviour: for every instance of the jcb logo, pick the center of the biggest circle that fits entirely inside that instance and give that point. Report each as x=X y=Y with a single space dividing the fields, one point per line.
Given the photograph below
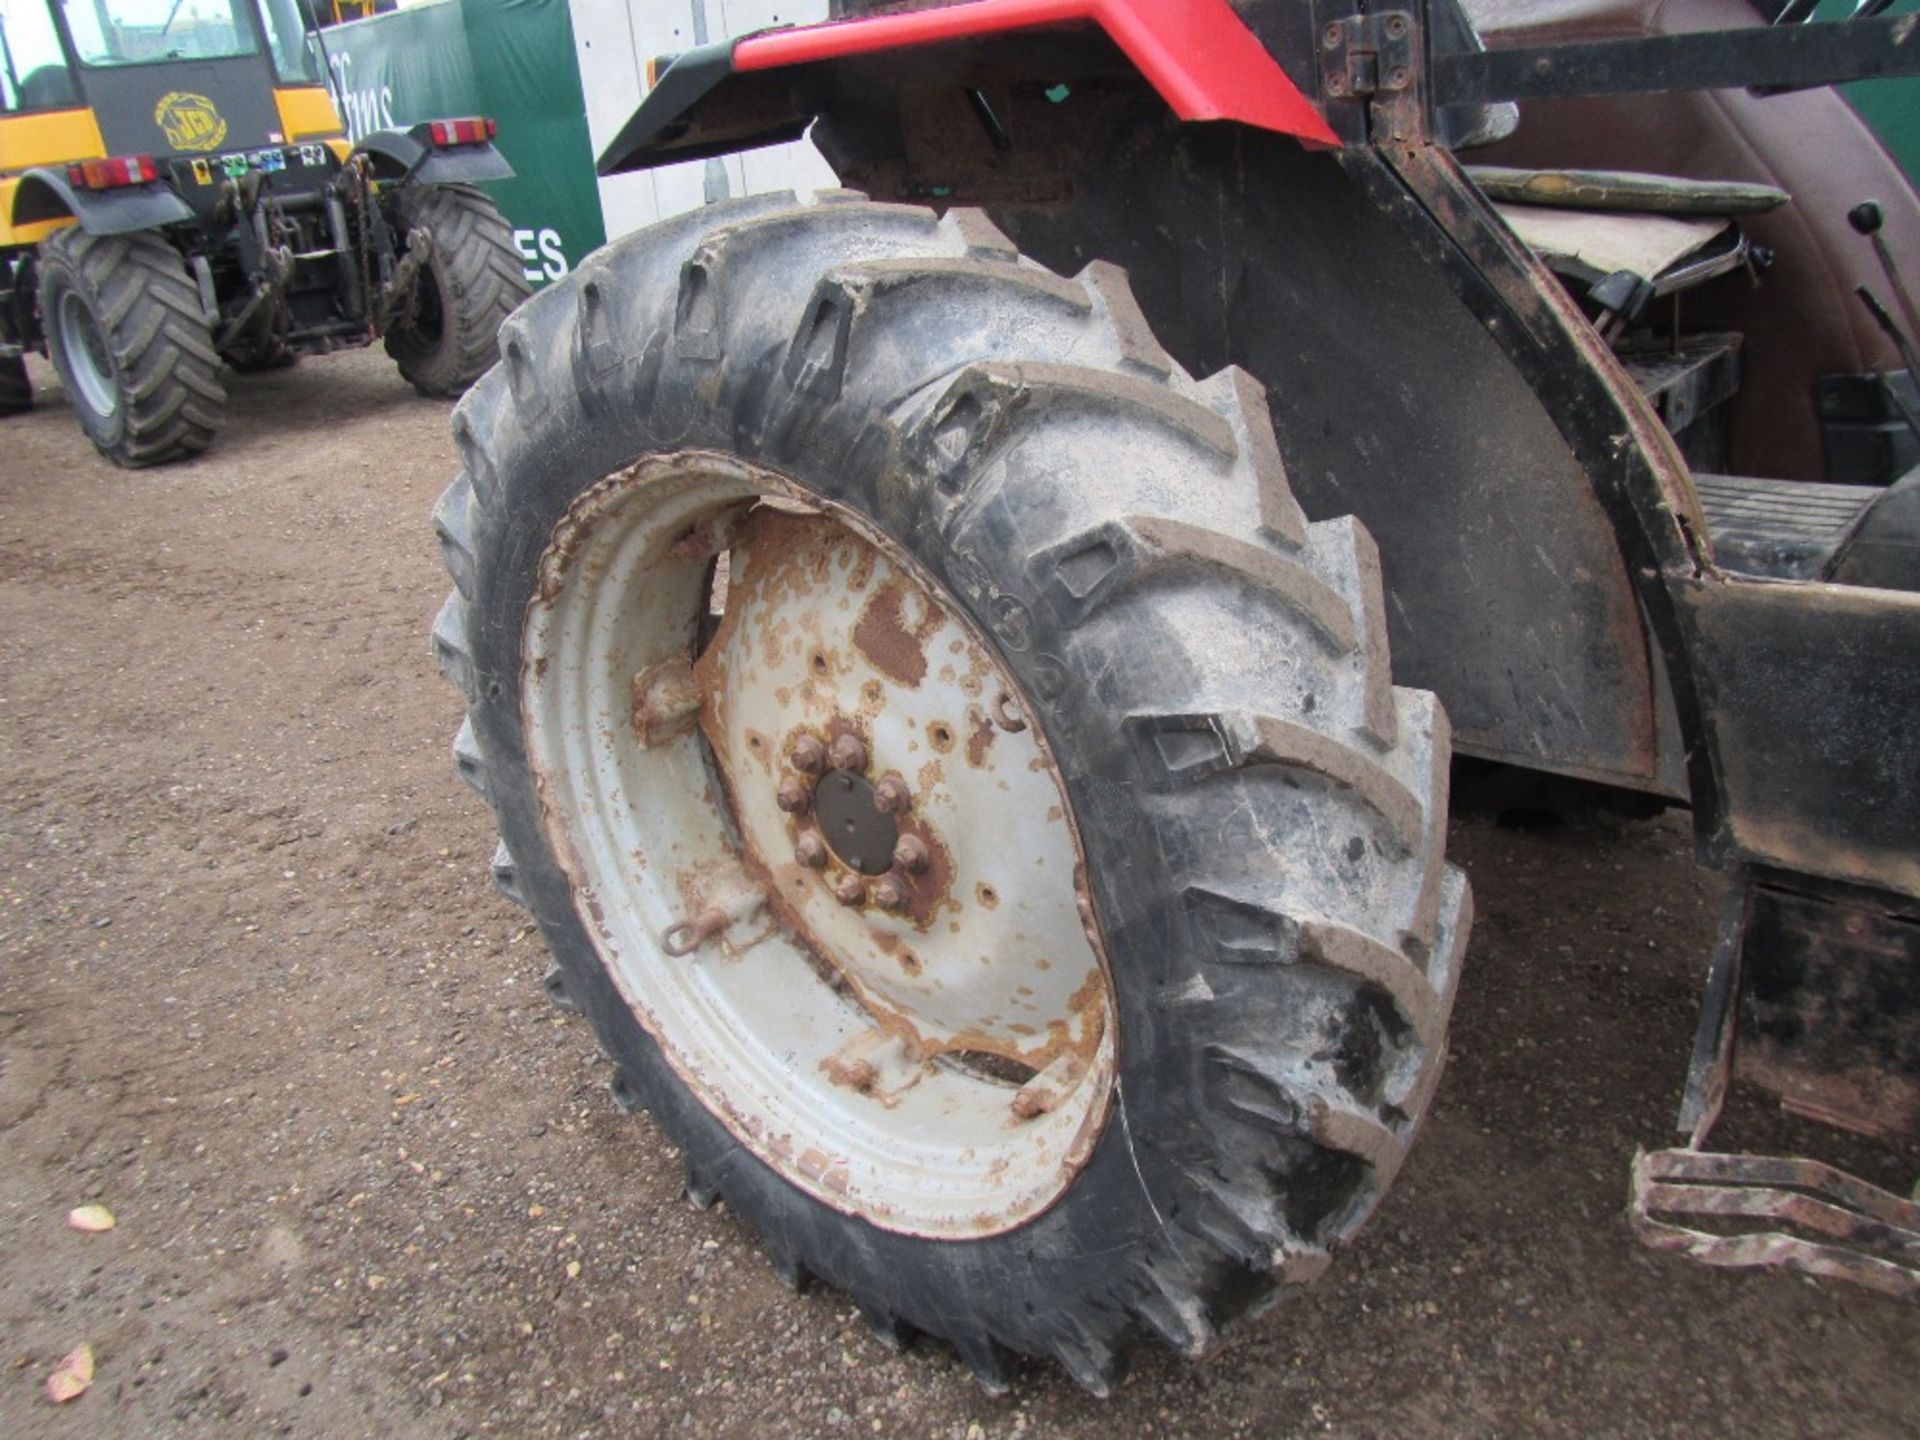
x=190 y=121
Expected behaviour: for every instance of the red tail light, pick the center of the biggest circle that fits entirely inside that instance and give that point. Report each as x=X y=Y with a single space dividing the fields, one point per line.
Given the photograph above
x=113 y=173
x=475 y=130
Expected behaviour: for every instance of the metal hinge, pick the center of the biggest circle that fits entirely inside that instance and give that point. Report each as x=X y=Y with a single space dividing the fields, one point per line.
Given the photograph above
x=1366 y=55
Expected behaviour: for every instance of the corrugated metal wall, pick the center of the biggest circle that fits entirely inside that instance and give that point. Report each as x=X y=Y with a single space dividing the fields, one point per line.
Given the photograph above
x=613 y=39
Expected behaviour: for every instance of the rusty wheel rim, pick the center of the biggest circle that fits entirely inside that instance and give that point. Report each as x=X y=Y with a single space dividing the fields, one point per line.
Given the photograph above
x=818 y=846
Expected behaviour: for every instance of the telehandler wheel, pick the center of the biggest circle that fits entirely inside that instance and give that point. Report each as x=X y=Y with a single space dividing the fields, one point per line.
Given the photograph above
x=16 y=390
x=966 y=797
x=125 y=330
x=471 y=283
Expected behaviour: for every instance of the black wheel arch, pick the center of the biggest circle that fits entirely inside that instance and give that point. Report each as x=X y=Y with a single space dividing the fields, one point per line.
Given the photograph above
x=45 y=194
x=410 y=157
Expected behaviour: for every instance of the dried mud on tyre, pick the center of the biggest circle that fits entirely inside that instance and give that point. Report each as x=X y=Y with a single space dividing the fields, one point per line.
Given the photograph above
x=129 y=339
x=470 y=283
x=1256 y=814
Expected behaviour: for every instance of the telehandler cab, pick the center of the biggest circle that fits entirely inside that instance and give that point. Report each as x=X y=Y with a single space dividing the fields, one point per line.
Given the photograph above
x=176 y=191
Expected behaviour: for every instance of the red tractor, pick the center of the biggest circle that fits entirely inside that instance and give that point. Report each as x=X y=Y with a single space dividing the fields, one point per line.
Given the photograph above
x=963 y=664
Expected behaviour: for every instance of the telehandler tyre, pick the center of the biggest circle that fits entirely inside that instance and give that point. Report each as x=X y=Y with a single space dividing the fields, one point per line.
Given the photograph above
x=471 y=283
x=967 y=798
x=16 y=390
x=126 y=332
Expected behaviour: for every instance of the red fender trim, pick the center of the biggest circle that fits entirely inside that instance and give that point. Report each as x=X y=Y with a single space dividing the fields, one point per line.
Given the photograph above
x=1198 y=54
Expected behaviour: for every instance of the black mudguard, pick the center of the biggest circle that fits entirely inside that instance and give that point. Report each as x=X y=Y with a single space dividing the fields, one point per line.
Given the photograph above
x=411 y=155
x=682 y=117
x=48 y=195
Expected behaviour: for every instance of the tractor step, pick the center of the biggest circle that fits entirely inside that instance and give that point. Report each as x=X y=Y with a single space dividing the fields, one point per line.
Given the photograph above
x=1767 y=1210
x=1810 y=996
x=1782 y=529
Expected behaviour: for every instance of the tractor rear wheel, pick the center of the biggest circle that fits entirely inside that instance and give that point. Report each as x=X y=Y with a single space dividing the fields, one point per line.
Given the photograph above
x=472 y=282
x=965 y=795
x=16 y=390
x=127 y=335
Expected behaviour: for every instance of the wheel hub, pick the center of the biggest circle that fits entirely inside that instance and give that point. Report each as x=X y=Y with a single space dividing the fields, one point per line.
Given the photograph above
x=858 y=831
x=829 y=864
x=88 y=360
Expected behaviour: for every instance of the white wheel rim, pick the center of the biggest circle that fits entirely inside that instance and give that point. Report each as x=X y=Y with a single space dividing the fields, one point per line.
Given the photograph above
x=940 y=1069
x=86 y=352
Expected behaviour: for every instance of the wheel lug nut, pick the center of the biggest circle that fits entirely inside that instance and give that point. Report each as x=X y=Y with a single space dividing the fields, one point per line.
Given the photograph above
x=847 y=753
x=889 y=893
x=811 y=851
x=911 y=854
x=849 y=891
x=890 y=796
x=808 y=755
x=793 y=796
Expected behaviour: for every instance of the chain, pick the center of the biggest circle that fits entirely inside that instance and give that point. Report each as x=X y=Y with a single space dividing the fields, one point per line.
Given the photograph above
x=361 y=200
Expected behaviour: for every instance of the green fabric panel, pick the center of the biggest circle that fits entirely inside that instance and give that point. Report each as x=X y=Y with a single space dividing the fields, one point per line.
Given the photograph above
x=393 y=70
x=1891 y=107
x=510 y=59
x=522 y=54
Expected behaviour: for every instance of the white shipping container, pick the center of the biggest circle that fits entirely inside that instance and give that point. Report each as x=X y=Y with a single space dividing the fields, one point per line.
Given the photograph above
x=614 y=39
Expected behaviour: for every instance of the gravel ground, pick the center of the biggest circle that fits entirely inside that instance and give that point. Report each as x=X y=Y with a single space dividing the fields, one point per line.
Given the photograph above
x=259 y=998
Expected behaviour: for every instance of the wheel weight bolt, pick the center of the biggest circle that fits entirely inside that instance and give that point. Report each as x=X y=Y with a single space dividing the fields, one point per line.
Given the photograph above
x=808 y=755
x=889 y=893
x=911 y=854
x=847 y=753
x=849 y=891
x=793 y=796
x=890 y=796
x=811 y=851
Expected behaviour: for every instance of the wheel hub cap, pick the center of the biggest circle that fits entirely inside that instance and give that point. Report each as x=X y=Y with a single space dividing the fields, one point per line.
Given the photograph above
x=859 y=833
x=87 y=358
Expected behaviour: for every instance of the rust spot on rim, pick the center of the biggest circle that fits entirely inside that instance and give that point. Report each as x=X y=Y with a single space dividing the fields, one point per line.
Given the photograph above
x=927 y=892
x=761 y=748
x=884 y=635
x=980 y=736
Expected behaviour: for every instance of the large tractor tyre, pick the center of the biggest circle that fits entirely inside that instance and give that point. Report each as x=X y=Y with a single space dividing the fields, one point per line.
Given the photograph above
x=16 y=390
x=968 y=800
x=126 y=332
x=471 y=282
